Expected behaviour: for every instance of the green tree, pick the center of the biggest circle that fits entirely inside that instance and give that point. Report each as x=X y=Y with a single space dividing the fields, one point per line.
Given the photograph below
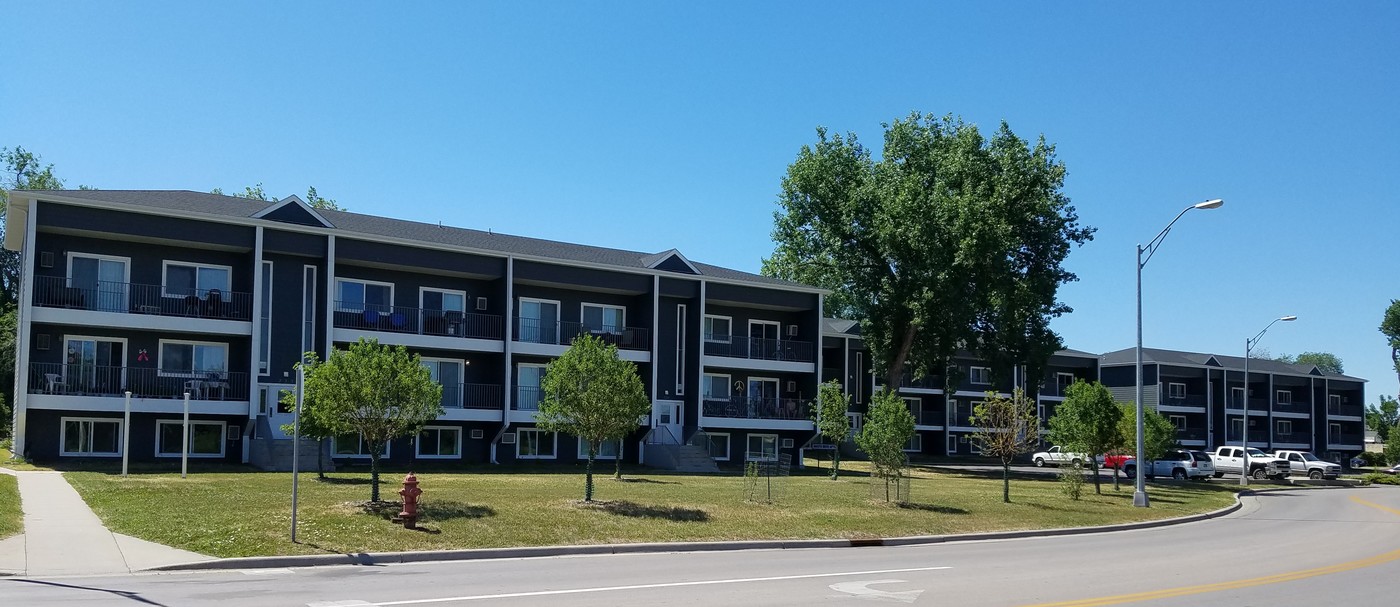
x=1088 y=422
x=948 y=239
x=889 y=426
x=1384 y=417
x=1390 y=328
x=1324 y=361
x=832 y=424
x=1159 y=434
x=24 y=170
x=1006 y=428
x=593 y=394
x=310 y=428
x=1392 y=448
x=256 y=192
x=373 y=391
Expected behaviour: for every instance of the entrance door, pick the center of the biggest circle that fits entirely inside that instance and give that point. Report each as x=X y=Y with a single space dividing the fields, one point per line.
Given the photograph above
x=101 y=280
x=856 y=421
x=539 y=321
x=667 y=414
x=763 y=398
x=94 y=366
x=763 y=339
x=270 y=403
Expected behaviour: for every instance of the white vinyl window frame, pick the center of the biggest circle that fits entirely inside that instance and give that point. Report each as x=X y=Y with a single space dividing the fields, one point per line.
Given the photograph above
x=707 y=329
x=1176 y=390
x=461 y=374
x=418 y=443
x=519 y=442
x=192 y=373
x=361 y=451
x=915 y=444
x=1283 y=426
x=707 y=394
x=1334 y=399
x=680 y=349
x=1064 y=380
x=126 y=264
x=979 y=376
x=728 y=446
x=223 y=429
x=539 y=387
x=423 y=303
x=165 y=277
x=916 y=408
x=1178 y=421
x=90 y=421
x=621 y=310
x=777 y=386
x=762 y=452
x=582 y=448
x=341 y=305
x=94 y=338
x=1238 y=394
x=1283 y=397
x=766 y=323
x=265 y=321
x=547 y=326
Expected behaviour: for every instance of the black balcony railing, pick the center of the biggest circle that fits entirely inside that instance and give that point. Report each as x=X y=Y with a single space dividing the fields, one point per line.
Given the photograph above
x=1292 y=437
x=744 y=407
x=962 y=418
x=81 y=379
x=1340 y=409
x=1255 y=436
x=536 y=331
x=131 y=298
x=1185 y=400
x=1190 y=433
x=471 y=396
x=742 y=346
x=1255 y=404
x=418 y=321
x=527 y=398
x=1344 y=439
x=1292 y=407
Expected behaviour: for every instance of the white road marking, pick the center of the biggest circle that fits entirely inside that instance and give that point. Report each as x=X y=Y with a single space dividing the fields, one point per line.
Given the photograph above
x=280 y=571
x=512 y=595
x=338 y=604
x=862 y=590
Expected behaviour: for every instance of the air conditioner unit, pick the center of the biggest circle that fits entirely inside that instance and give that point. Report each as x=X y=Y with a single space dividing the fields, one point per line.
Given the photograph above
x=481 y=303
x=791 y=386
x=508 y=438
x=234 y=432
x=46 y=259
x=787 y=443
x=792 y=330
x=41 y=341
x=478 y=433
x=963 y=439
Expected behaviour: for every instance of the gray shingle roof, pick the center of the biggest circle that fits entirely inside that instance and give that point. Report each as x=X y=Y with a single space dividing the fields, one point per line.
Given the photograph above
x=1127 y=356
x=185 y=201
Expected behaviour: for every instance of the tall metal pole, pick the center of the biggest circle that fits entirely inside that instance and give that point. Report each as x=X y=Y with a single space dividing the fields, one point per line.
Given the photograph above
x=1139 y=488
x=1244 y=419
x=126 y=432
x=296 y=446
x=185 y=440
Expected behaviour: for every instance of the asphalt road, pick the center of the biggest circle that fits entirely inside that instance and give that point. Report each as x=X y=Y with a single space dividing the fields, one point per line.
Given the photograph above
x=1315 y=547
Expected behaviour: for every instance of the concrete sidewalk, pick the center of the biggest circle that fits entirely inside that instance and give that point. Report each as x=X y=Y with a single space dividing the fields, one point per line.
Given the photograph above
x=62 y=536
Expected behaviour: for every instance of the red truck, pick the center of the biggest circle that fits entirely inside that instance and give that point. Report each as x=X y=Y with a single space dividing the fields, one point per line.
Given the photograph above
x=1115 y=461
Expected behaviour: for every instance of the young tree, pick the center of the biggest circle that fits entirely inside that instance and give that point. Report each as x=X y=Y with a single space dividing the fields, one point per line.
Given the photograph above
x=376 y=392
x=888 y=428
x=591 y=393
x=309 y=427
x=1159 y=434
x=947 y=240
x=1006 y=428
x=1390 y=328
x=1392 y=448
x=832 y=405
x=1087 y=422
x=1383 y=417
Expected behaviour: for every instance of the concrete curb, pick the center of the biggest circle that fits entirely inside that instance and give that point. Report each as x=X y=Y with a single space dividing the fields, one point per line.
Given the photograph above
x=382 y=558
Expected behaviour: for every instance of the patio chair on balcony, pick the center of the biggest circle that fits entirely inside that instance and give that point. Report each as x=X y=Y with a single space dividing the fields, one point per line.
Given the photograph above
x=216 y=381
x=452 y=320
x=213 y=304
x=55 y=383
x=195 y=387
x=398 y=321
x=371 y=319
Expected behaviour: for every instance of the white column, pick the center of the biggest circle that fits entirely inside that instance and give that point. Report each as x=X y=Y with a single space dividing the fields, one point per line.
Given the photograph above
x=506 y=388
x=656 y=333
x=329 y=306
x=126 y=432
x=257 y=325
x=185 y=439
x=818 y=342
x=700 y=363
x=26 y=306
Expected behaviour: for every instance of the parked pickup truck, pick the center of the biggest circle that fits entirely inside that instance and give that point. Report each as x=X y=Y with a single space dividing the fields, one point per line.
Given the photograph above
x=1178 y=464
x=1261 y=465
x=1309 y=465
x=1055 y=456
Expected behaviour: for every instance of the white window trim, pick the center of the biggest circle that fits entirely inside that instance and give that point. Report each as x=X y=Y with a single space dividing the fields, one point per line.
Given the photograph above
x=387 y=446
x=1237 y=392
x=728 y=446
x=340 y=301
x=315 y=278
x=418 y=447
x=192 y=374
x=914 y=403
x=63 y=436
x=972 y=376
x=771 y=323
x=918 y=448
x=165 y=275
x=1174 y=418
x=126 y=267
x=777 y=449
x=680 y=349
x=1283 y=397
x=265 y=356
x=518 y=442
x=1334 y=399
x=1281 y=424
x=585 y=305
x=223 y=434
x=582 y=448
x=727 y=387
x=777 y=384
x=423 y=306
x=558 y=307
x=1172 y=387
x=461 y=375
x=711 y=338
x=1059 y=375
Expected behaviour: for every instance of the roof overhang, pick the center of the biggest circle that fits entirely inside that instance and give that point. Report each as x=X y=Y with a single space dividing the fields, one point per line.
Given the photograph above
x=17 y=220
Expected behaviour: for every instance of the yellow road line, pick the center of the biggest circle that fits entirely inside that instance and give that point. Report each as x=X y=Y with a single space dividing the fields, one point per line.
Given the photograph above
x=1237 y=584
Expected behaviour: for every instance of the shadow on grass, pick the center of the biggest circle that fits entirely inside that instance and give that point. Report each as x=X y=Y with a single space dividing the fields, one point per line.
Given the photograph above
x=933 y=508
x=434 y=510
x=635 y=510
x=340 y=480
x=646 y=481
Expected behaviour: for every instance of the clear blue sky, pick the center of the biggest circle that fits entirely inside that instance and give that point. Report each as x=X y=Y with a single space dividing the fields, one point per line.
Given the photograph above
x=654 y=125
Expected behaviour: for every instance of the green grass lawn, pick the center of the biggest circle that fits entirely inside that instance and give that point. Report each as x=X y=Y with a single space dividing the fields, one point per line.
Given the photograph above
x=6 y=462
x=10 y=517
x=243 y=513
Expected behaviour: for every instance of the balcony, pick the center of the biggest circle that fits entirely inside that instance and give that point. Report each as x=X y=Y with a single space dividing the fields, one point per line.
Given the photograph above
x=80 y=379
x=1340 y=409
x=1255 y=404
x=416 y=321
x=131 y=298
x=472 y=396
x=1292 y=437
x=743 y=407
x=1344 y=439
x=1293 y=407
x=1255 y=436
x=743 y=346
x=1185 y=400
x=963 y=419
x=562 y=333
x=1190 y=434
x=527 y=398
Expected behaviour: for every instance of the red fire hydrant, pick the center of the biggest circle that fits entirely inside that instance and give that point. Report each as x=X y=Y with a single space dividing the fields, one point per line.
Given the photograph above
x=410 y=493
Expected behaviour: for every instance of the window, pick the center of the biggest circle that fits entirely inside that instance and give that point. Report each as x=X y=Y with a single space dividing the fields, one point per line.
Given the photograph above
x=1334 y=432
x=716 y=387
x=443 y=300
x=1237 y=396
x=717 y=328
x=443 y=311
x=763 y=393
x=91 y=437
x=200 y=280
x=915 y=444
x=206 y=438
x=762 y=448
x=1284 y=426
x=916 y=408
x=1236 y=428
x=1284 y=397
x=981 y=376
x=1179 y=421
x=952 y=444
x=535 y=444
x=527 y=389
x=680 y=350
x=539 y=321
x=1334 y=400
x=439 y=442
x=1176 y=390
x=860 y=373
x=308 y=308
x=362 y=295
x=190 y=358
x=1063 y=381
x=353 y=445
x=448 y=374
x=606 y=449
x=101 y=281
x=265 y=318
x=598 y=318
x=718 y=443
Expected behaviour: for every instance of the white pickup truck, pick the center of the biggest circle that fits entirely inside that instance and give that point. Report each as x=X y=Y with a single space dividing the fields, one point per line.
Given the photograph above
x=1261 y=465
x=1306 y=464
x=1055 y=456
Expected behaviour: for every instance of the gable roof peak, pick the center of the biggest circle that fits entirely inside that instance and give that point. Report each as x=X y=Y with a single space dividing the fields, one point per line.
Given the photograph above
x=306 y=215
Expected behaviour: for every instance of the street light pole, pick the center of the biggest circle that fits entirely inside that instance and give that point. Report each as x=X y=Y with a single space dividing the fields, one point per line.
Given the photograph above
x=1140 y=487
x=1244 y=410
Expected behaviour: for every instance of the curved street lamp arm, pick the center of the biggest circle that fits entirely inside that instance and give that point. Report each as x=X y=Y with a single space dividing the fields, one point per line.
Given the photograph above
x=1151 y=247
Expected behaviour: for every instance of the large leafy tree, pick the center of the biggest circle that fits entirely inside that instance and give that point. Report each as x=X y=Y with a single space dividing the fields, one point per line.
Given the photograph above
x=1390 y=327
x=1324 y=361
x=832 y=424
x=948 y=239
x=313 y=199
x=1384 y=417
x=888 y=428
x=593 y=394
x=373 y=391
x=23 y=170
x=1087 y=422
x=1006 y=428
